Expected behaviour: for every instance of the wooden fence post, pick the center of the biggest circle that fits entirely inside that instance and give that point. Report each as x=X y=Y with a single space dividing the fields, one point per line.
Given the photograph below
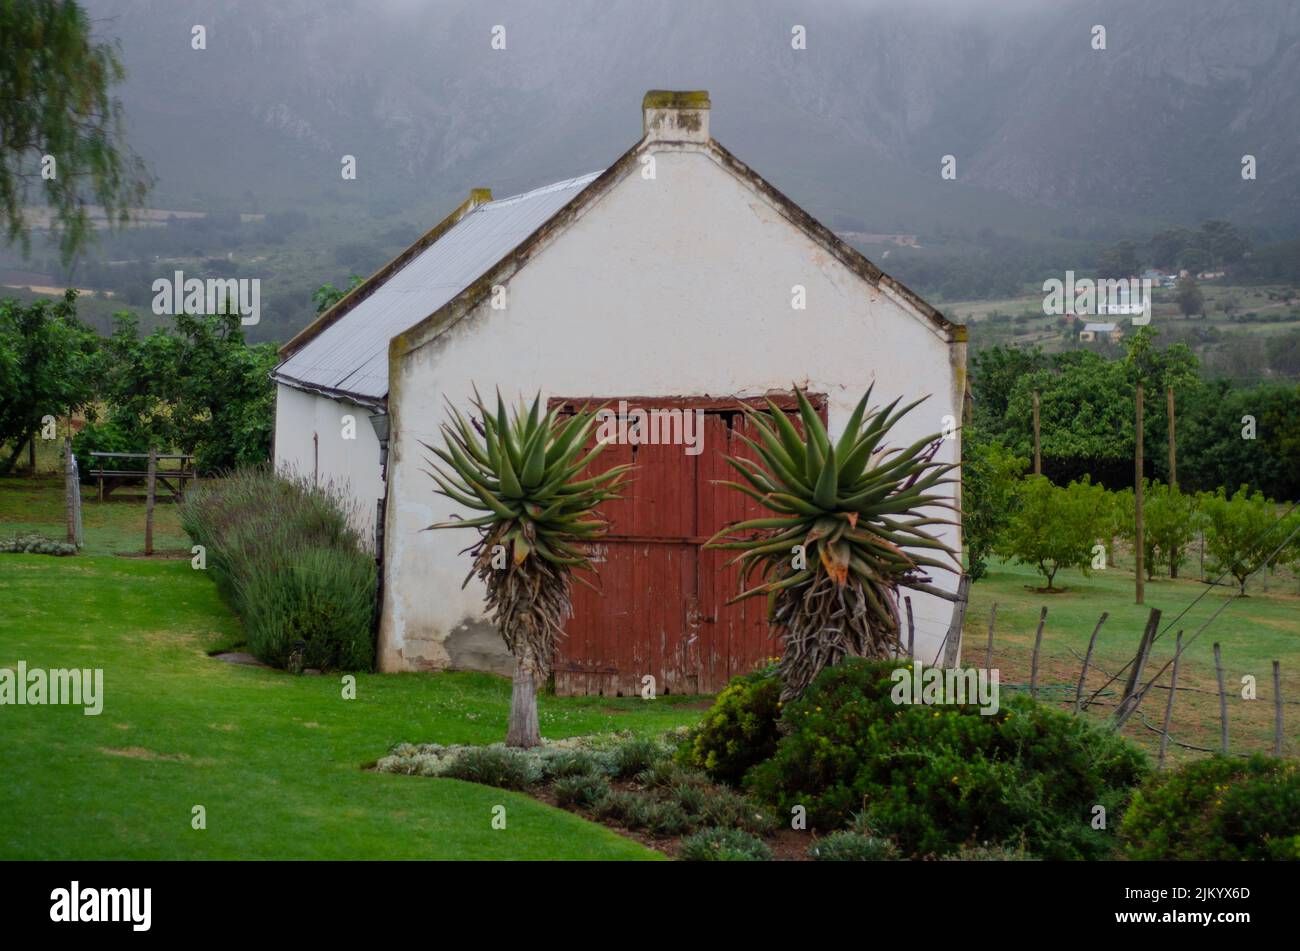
x=1139 y=662
x=951 y=645
x=1223 y=700
x=911 y=630
x=148 y=501
x=70 y=493
x=1038 y=641
x=1277 y=708
x=988 y=654
x=1087 y=659
x=1169 y=706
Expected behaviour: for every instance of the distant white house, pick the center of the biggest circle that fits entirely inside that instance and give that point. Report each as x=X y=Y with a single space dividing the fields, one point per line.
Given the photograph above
x=676 y=277
x=1092 y=331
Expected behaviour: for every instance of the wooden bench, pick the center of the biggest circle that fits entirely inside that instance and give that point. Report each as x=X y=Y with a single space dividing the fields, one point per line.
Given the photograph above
x=110 y=474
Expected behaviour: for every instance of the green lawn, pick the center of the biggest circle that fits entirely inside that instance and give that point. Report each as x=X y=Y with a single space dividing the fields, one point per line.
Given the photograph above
x=1253 y=632
x=275 y=760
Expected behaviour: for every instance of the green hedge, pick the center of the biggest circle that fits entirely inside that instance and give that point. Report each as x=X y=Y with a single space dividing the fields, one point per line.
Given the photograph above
x=282 y=552
x=1217 y=809
x=935 y=778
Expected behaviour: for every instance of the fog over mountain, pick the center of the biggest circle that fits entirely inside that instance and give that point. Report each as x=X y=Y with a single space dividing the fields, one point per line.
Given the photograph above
x=1044 y=129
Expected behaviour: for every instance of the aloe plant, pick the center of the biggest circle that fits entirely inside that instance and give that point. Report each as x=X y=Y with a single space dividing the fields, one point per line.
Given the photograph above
x=845 y=533
x=522 y=471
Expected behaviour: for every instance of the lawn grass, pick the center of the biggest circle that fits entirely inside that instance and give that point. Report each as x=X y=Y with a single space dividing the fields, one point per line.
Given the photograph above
x=276 y=760
x=1253 y=632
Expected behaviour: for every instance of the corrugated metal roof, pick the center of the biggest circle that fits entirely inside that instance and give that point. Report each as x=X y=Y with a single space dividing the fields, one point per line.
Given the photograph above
x=351 y=356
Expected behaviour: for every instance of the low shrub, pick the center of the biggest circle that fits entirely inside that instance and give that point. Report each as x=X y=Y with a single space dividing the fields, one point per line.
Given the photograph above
x=934 y=778
x=724 y=845
x=282 y=551
x=1217 y=809
x=665 y=773
x=665 y=817
x=724 y=807
x=636 y=756
x=574 y=763
x=34 y=543
x=990 y=853
x=582 y=789
x=622 y=806
x=846 y=846
x=739 y=730
x=497 y=766
x=315 y=612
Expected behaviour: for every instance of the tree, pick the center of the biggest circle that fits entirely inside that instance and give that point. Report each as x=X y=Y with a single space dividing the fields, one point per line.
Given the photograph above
x=1170 y=526
x=1118 y=261
x=327 y=295
x=845 y=533
x=1055 y=528
x=47 y=367
x=59 y=125
x=990 y=473
x=1241 y=531
x=1188 y=294
x=522 y=471
x=199 y=389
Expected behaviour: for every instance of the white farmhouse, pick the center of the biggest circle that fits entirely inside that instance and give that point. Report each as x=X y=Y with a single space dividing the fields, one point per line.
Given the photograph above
x=676 y=278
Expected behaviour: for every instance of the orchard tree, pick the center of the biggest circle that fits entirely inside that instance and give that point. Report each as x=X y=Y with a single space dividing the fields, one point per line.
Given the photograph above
x=60 y=129
x=1241 y=531
x=47 y=368
x=1055 y=528
x=990 y=473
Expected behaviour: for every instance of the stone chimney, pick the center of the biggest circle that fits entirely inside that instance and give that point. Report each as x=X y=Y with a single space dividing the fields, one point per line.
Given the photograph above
x=676 y=116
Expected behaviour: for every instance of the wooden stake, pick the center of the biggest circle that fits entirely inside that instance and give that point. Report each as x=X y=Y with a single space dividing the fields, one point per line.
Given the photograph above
x=1169 y=706
x=150 y=480
x=911 y=631
x=1038 y=455
x=1038 y=642
x=1223 y=700
x=1087 y=659
x=988 y=654
x=1139 y=534
x=1277 y=708
x=952 y=640
x=69 y=487
x=1129 y=701
x=1173 y=469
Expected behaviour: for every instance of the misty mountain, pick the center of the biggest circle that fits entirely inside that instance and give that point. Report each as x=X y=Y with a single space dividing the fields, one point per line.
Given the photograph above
x=1046 y=131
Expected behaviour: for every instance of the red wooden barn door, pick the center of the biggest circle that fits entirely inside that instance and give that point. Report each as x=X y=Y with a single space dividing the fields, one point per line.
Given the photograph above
x=661 y=609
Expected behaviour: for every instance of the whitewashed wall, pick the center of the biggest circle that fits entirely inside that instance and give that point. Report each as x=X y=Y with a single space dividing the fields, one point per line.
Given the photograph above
x=676 y=286
x=352 y=464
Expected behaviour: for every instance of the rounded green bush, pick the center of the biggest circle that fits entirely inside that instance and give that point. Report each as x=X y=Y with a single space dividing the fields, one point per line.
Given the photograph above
x=1217 y=809
x=846 y=846
x=636 y=755
x=740 y=729
x=724 y=845
x=934 y=778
